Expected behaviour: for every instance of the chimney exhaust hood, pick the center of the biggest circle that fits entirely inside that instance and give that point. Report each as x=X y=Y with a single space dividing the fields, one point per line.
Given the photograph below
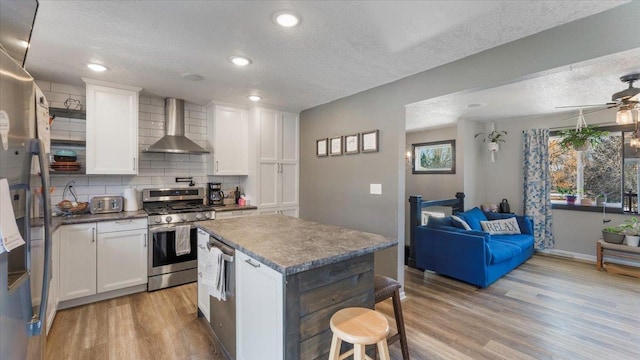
x=174 y=141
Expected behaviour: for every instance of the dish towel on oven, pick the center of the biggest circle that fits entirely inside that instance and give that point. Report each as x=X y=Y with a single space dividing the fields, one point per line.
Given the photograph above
x=213 y=276
x=183 y=239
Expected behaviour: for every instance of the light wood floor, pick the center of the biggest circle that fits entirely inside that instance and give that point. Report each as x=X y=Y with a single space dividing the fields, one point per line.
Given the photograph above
x=548 y=308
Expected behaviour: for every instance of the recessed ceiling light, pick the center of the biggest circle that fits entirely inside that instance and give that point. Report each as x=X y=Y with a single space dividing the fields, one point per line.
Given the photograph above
x=471 y=106
x=240 y=61
x=286 y=18
x=255 y=98
x=193 y=77
x=97 y=67
x=24 y=43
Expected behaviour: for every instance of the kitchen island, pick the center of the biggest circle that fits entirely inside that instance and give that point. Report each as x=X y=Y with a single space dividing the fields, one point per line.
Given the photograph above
x=310 y=271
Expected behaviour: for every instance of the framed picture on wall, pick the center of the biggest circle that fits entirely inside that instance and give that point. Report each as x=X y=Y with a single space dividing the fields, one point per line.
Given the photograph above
x=351 y=144
x=437 y=157
x=370 y=141
x=321 y=147
x=335 y=146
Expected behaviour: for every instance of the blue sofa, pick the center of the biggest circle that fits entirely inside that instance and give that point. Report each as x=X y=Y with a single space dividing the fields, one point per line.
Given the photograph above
x=473 y=256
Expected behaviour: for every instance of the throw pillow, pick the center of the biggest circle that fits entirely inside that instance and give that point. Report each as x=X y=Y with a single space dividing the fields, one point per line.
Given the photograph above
x=473 y=218
x=459 y=223
x=436 y=222
x=504 y=227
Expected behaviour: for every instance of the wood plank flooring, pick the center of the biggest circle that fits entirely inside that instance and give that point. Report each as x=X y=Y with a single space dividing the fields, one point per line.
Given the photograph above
x=548 y=308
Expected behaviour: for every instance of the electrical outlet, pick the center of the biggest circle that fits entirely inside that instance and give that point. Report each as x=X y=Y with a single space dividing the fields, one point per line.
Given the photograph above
x=375 y=189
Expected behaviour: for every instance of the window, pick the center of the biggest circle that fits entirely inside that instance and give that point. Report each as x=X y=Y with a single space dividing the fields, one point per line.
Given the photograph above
x=607 y=172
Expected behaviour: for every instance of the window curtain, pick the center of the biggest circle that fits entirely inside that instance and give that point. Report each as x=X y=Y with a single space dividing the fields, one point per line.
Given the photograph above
x=537 y=186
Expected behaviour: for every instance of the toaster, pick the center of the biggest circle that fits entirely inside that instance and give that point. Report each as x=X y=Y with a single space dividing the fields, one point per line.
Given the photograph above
x=105 y=204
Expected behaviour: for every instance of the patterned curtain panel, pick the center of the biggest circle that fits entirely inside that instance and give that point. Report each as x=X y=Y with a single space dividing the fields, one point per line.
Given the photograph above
x=537 y=185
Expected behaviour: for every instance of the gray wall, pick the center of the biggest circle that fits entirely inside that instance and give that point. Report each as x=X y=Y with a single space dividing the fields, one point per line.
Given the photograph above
x=335 y=190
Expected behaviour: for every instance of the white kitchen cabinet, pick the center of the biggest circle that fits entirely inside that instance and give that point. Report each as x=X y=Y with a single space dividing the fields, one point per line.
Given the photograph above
x=112 y=128
x=122 y=254
x=289 y=211
x=259 y=299
x=203 y=293
x=100 y=257
x=52 y=303
x=77 y=261
x=229 y=141
x=278 y=164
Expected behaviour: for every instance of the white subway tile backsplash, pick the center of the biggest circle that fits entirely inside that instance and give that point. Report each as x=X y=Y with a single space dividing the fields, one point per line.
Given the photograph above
x=197 y=115
x=105 y=180
x=157 y=117
x=144 y=100
x=157 y=101
x=197 y=130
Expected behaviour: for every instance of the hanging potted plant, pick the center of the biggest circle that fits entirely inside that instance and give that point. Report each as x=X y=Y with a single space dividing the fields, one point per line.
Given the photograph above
x=580 y=139
x=493 y=139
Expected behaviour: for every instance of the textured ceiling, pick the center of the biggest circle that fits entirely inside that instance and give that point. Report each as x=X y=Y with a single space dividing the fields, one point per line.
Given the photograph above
x=340 y=47
x=588 y=83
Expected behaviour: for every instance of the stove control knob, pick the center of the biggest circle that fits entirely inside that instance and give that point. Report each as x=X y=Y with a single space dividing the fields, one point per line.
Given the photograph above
x=183 y=217
x=207 y=215
x=158 y=219
x=198 y=216
x=168 y=219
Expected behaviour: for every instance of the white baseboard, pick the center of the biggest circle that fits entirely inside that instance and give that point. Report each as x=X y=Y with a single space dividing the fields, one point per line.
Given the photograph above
x=584 y=257
x=102 y=296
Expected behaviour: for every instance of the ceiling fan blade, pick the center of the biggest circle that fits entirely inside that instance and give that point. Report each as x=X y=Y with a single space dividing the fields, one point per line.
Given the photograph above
x=587 y=113
x=580 y=106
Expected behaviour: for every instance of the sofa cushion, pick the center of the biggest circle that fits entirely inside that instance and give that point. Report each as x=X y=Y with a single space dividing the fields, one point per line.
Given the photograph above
x=436 y=222
x=460 y=223
x=473 y=218
x=504 y=226
x=501 y=251
x=522 y=241
x=524 y=222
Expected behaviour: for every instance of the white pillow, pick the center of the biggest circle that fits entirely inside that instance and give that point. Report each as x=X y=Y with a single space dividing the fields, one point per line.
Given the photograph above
x=503 y=227
x=461 y=222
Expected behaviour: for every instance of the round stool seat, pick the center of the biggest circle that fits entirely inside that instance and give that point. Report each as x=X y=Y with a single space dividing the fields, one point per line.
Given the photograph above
x=358 y=325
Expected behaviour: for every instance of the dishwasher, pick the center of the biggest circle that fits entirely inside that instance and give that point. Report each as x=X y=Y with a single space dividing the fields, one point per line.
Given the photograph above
x=223 y=313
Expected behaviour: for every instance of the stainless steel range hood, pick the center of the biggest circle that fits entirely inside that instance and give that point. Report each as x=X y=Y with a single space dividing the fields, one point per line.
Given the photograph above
x=174 y=140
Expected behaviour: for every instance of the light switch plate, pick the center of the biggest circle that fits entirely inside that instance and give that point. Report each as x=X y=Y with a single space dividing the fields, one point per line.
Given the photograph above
x=375 y=189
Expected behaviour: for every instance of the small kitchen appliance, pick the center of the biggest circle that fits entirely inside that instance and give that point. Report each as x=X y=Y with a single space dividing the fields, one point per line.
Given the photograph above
x=167 y=209
x=215 y=196
x=105 y=204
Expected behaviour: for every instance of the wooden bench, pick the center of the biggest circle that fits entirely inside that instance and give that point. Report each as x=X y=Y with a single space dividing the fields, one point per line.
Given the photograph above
x=620 y=251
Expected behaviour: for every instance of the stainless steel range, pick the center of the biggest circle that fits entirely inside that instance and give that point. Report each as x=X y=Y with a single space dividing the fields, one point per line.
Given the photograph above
x=173 y=211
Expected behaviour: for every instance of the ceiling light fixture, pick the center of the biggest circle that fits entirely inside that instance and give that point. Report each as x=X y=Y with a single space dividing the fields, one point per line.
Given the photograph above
x=192 y=77
x=286 y=18
x=97 y=67
x=255 y=98
x=240 y=61
x=626 y=114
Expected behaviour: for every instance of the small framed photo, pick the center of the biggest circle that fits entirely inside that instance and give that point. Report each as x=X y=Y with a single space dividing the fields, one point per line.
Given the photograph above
x=335 y=146
x=370 y=141
x=351 y=144
x=321 y=147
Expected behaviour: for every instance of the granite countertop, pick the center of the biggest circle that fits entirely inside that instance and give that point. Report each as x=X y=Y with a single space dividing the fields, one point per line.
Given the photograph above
x=234 y=207
x=291 y=245
x=87 y=218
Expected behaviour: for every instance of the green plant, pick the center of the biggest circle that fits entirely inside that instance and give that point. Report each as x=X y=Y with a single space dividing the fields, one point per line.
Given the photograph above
x=567 y=191
x=631 y=227
x=589 y=134
x=614 y=229
x=494 y=136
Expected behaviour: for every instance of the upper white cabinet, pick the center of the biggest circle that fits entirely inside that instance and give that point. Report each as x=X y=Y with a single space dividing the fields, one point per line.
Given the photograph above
x=277 y=158
x=112 y=128
x=229 y=141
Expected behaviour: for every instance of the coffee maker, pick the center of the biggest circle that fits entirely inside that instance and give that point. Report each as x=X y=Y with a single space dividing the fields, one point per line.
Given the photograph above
x=215 y=196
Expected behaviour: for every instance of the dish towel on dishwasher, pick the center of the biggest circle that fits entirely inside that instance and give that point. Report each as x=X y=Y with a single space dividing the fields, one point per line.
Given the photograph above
x=183 y=239
x=213 y=274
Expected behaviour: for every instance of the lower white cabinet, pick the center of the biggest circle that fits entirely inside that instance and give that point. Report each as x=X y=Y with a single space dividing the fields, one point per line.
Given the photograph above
x=259 y=297
x=288 y=211
x=77 y=261
x=234 y=214
x=203 y=294
x=101 y=257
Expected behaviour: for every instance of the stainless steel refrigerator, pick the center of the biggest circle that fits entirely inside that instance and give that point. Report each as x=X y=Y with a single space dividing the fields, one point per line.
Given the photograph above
x=22 y=323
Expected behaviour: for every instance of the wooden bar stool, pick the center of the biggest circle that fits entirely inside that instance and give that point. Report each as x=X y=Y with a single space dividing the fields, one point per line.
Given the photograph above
x=360 y=327
x=385 y=288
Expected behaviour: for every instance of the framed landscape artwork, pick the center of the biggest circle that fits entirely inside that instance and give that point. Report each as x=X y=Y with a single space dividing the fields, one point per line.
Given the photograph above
x=437 y=157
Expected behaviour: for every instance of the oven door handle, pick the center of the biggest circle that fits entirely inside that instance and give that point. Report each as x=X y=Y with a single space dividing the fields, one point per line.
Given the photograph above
x=168 y=228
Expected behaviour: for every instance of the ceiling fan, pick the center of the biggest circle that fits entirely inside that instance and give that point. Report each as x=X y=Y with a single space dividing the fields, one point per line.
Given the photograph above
x=627 y=101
